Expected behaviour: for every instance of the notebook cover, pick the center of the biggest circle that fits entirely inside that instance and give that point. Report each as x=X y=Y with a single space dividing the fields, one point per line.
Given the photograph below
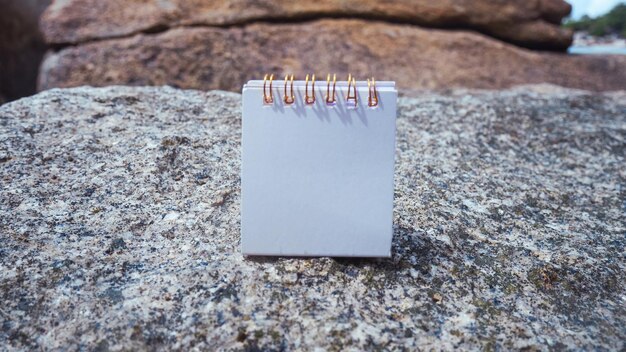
x=317 y=180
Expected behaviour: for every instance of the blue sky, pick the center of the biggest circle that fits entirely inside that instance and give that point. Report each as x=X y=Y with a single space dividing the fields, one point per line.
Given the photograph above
x=592 y=8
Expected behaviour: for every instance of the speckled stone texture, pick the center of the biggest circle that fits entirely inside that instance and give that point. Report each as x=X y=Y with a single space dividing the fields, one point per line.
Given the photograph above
x=119 y=229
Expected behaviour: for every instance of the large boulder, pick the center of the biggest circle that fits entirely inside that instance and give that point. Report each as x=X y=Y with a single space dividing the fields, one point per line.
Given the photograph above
x=119 y=229
x=416 y=58
x=533 y=24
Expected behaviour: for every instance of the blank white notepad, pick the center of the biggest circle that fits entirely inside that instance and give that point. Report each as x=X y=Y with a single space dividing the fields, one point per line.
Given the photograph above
x=317 y=180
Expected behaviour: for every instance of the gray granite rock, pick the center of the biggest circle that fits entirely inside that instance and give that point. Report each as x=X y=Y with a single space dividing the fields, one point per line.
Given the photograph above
x=119 y=229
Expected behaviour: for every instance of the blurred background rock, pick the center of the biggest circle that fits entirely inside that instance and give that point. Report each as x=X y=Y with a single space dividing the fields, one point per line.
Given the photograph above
x=21 y=47
x=206 y=45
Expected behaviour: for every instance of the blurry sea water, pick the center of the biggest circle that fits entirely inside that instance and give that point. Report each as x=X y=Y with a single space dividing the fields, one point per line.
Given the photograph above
x=597 y=49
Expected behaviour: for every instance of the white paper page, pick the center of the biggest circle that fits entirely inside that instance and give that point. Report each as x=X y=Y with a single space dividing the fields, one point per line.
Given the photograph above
x=317 y=180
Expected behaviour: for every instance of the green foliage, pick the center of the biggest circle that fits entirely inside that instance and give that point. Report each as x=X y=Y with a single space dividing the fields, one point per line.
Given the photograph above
x=613 y=22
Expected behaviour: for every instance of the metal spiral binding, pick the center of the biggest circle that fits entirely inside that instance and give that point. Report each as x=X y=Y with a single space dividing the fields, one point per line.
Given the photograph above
x=268 y=98
x=289 y=99
x=331 y=95
x=372 y=95
x=330 y=99
x=309 y=100
x=351 y=84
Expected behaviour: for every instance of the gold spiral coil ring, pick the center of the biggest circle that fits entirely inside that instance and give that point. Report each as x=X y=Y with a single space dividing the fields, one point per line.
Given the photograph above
x=309 y=100
x=372 y=97
x=351 y=84
x=289 y=99
x=330 y=99
x=268 y=98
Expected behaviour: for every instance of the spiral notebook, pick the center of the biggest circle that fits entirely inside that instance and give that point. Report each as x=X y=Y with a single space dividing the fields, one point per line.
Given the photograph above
x=317 y=167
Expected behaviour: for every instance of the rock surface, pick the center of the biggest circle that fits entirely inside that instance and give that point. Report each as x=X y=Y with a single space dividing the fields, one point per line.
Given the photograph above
x=533 y=24
x=416 y=58
x=119 y=229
